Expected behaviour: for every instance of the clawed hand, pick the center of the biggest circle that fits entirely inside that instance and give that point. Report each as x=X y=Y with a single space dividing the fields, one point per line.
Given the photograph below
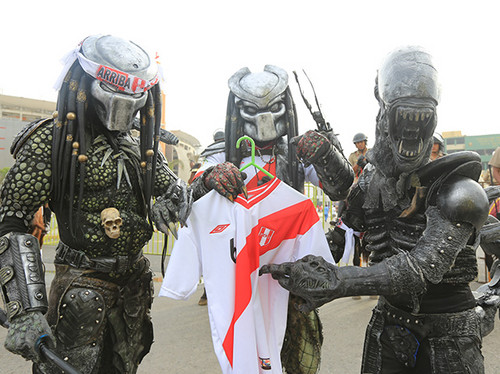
x=311 y=278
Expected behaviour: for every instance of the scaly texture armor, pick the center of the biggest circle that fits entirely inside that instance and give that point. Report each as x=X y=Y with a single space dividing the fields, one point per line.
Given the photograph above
x=85 y=165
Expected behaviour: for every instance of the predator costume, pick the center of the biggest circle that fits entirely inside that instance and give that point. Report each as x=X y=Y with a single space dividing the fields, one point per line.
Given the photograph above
x=260 y=106
x=421 y=222
x=98 y=180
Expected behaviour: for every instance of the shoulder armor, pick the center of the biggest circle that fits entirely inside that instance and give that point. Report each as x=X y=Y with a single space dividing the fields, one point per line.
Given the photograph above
x=465 y=163
x=462 y=199
x=214 y=148
x=25 y=133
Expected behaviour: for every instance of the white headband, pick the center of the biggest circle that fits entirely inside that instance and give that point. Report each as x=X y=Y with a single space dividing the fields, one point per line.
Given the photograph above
x=123 y=81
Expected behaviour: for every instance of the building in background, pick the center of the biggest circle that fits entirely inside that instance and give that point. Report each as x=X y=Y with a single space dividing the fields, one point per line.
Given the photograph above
x=183 y=156
x=15 y=113
x=484 y=145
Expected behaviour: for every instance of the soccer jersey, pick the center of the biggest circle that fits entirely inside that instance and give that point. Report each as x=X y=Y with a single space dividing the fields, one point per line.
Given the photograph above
x=254 y=175
x=227 y=243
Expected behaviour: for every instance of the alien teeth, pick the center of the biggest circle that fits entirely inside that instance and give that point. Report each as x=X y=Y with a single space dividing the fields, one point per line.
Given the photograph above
x=413 y=115
x=406 y=153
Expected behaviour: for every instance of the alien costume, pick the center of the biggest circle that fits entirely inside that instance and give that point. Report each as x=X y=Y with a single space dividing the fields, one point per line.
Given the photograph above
x=99 y=181
x=420 y=221
x=260 y=105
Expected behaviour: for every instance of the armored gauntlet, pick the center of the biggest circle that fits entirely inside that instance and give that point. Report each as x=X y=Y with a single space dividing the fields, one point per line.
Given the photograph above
x=334 y=171
x=21 y=274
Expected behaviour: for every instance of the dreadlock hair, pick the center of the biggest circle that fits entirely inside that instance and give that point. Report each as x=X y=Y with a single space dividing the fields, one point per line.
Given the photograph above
x=69 y=143
x=234 y=129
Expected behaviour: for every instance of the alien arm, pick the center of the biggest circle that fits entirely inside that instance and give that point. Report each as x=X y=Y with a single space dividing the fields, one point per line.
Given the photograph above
x=461 y=207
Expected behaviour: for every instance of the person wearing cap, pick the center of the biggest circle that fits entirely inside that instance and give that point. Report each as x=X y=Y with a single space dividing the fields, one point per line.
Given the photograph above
x=357 y=159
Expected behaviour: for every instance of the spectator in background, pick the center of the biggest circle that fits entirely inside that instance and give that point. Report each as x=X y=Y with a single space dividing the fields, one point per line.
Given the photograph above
x=495 y=166
x=357 y=158
x=438 y=147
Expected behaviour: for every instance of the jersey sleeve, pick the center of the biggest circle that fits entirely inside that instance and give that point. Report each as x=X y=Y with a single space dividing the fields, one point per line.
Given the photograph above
x=184 y=267
x=314 y=242
x=311 y=175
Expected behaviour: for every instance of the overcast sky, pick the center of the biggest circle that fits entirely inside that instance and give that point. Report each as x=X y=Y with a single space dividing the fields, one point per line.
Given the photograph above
x=340 y=45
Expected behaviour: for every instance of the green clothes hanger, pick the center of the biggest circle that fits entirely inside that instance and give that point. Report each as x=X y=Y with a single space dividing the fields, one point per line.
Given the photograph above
x=252 y=163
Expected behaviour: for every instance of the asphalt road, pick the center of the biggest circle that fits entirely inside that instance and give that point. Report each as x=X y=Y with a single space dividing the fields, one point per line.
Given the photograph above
x=183 y=343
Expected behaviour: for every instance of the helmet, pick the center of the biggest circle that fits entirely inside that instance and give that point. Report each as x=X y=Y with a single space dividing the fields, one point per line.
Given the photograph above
x=218 y=135
x=438 y=139
x=123 y=73
x=359 y=137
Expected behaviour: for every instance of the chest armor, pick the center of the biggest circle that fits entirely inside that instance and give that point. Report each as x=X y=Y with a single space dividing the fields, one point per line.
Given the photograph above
x=390 y=231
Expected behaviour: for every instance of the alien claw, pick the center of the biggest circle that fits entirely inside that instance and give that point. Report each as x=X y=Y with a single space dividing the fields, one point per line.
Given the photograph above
x=173 y=229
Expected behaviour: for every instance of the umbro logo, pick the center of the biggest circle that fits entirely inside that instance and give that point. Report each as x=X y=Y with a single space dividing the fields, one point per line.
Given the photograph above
x=219 y=228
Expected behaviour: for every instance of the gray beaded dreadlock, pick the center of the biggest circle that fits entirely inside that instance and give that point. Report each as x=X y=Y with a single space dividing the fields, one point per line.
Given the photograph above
x=69 y=144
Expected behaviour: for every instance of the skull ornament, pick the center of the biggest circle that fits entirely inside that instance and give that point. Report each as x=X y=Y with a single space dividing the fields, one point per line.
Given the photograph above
x=111 y=221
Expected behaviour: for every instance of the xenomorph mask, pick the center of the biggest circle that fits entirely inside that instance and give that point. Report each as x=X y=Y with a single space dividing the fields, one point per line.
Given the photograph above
x=408 y=93
x=260 y=98
x=123 y=73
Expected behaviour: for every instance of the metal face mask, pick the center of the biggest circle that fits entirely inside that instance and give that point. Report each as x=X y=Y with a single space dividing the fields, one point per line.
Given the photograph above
x=123 y=73
x=260 y=100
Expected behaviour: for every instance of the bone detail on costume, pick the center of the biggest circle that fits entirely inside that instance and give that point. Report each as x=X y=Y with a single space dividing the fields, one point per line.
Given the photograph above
x=112 y=222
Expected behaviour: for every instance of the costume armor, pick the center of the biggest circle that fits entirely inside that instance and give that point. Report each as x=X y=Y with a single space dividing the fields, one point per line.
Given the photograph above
x=260 y=105
x=98 y=180
x=421 y=222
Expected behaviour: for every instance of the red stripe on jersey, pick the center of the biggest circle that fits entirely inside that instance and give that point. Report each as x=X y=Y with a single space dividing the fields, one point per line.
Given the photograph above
x=255 y=195
x=287 y=223
x=198 y=173
x=270 y=167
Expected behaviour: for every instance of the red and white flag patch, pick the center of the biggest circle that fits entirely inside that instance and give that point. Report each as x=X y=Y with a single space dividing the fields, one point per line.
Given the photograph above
x=265 y=235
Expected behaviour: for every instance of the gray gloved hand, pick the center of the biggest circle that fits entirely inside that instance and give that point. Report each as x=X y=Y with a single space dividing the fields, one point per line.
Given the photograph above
x=24 y=332
x=311 y=278
x=174 y=206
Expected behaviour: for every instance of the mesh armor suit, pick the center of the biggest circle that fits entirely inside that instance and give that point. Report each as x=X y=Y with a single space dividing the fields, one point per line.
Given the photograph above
x=420 y=221
x=260 y=105
x=98 y=180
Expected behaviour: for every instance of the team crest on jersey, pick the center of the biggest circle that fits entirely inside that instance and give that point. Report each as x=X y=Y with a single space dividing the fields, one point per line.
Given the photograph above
x=219 y=228
x=265 y=236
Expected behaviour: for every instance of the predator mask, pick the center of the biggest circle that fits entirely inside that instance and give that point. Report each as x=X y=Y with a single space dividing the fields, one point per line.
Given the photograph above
x=123 y=73
x=260 y=99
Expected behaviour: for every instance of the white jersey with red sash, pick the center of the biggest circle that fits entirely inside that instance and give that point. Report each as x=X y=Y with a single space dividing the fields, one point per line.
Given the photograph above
x=227 y=243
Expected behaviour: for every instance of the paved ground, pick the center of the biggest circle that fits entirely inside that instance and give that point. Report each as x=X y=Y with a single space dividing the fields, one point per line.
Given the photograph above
x=183 y=342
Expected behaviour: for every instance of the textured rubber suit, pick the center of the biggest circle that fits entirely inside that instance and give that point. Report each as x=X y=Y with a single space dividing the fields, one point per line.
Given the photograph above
x=99 y=181
x=421 y=222
x=260 y=105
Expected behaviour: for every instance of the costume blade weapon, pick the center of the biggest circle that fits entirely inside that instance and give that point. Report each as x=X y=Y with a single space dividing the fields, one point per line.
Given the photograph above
x=44 y=351
x=323 y=126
